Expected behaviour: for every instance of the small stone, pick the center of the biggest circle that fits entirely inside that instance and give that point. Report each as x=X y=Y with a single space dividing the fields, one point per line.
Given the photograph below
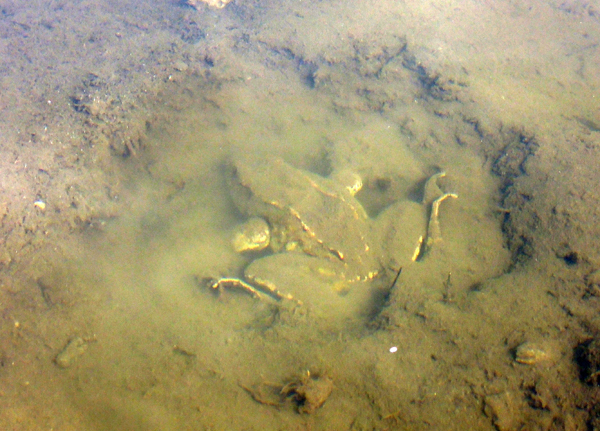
x=73 y=350
x=180 y=66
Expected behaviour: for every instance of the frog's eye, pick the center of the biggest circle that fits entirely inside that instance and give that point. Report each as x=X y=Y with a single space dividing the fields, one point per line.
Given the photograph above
x=351 y=180
x=253 y=235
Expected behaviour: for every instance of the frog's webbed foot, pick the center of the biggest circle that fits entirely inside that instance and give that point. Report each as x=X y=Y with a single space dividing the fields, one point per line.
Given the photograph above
x=435 y=196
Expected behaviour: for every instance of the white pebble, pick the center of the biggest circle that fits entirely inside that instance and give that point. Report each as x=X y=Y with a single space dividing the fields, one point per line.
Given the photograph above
x=393 y=349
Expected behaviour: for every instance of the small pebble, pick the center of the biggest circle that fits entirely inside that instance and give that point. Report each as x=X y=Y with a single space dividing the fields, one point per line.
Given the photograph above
x=180 y=66
x=73 y=350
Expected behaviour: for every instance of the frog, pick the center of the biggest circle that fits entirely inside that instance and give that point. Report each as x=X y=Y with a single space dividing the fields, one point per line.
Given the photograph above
x=306 y=230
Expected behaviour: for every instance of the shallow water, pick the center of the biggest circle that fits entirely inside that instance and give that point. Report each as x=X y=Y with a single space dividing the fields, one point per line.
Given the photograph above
x=163 y=335
x=138 y=214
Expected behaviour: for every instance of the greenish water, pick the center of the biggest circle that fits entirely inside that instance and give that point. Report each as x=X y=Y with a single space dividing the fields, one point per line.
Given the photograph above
x=169 y=346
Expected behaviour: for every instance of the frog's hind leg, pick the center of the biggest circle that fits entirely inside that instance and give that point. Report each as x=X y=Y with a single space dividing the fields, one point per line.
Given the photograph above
x=273 y=290
x=432 y=190
x=434 y=232
x=435 y=196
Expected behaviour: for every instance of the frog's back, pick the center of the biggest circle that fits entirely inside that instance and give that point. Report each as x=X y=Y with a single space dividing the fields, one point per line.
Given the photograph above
x=310 y=209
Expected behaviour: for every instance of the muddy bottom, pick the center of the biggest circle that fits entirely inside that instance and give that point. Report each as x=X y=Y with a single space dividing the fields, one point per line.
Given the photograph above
x=476 y=311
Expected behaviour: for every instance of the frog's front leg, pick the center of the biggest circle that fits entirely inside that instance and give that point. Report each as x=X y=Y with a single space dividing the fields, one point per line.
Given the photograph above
x=220 y=284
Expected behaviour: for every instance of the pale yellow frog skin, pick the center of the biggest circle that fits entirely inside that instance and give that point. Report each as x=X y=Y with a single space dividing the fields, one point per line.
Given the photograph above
x=318 y=232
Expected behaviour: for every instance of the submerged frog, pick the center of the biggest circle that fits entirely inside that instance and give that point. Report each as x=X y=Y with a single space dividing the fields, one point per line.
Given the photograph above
x=317 y=231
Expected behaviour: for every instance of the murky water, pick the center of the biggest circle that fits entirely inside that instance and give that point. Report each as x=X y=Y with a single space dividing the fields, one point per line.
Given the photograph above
x=163 y=343
x=427 y=344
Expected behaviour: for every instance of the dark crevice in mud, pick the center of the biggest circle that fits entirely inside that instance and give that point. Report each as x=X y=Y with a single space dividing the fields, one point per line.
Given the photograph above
x=6 y=13
x=580 y=9
x=592 y=126
x=367 y=66
x=587 y=357
x=306 y=69
x=509 y=165
x=474 y=125
x=309 y=76
x=371 y=60
x=435 y=85
x=190 y=31
x=570 y=257
x=373 y=68
x=508 y=152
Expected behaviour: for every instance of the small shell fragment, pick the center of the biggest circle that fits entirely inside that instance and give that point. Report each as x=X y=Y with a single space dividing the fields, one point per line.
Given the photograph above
x=530 y=353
